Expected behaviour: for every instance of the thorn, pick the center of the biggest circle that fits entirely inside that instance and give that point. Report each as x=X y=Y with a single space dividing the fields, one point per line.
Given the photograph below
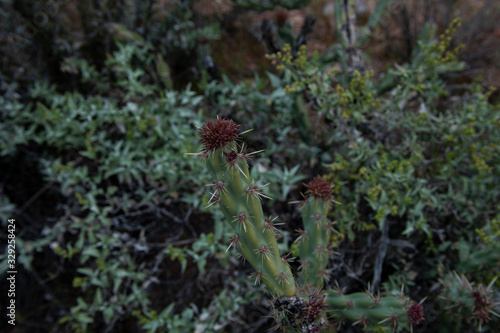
x=282 y=278
x=257 y=274
x=214 y=199
x=270 y=225
x=488 y=289
x=242 y=219
x=303 y=235
x=263 y=251
x=235 y=239
x=247 y=131
x=255 y=191
x=285 y=259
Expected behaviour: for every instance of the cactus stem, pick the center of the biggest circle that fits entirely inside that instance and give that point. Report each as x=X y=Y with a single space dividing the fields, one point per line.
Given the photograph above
x=348 y=304
x=227 y=162
x=322 y=251
x=303 y=264
x=317 y=219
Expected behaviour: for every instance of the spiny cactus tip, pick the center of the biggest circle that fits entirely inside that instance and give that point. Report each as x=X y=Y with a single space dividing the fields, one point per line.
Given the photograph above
x=218 y=133
x=319 y=188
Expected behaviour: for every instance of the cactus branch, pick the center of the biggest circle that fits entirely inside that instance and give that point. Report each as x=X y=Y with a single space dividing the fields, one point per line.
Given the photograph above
x=313 y=240
x=373 y=311
x=239 y=198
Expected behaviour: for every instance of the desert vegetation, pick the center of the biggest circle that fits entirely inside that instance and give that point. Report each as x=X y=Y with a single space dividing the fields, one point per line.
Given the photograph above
x=250 y=166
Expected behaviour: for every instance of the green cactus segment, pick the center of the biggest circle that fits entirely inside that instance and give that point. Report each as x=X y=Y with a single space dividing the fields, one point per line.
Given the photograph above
x=368 y=310
x=465 y=301
x=239 y=199
x=313 y=245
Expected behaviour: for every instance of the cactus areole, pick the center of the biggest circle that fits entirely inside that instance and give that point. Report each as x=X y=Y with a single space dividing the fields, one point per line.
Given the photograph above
x=239 y=199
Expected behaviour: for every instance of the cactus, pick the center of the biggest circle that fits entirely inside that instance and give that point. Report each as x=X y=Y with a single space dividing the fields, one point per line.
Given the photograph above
x=307 y=312
x=373 y=311
x=313 y=240
x=239 y=199
x=467 y=302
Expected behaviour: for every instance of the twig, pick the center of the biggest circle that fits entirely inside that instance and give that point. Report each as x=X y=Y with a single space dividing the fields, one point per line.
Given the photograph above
x=305 y=31
x=379 y=261
x=269 y=36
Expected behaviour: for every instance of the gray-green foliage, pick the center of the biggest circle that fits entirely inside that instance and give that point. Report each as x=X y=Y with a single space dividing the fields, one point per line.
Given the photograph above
x=264 y=104
x=108 y=159
x=408 y=153
x=396 y=148
x=399 y=149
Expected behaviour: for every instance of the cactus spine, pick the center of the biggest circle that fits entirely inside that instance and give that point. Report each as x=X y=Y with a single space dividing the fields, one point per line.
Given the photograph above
x=314 y=239
x=239 y=199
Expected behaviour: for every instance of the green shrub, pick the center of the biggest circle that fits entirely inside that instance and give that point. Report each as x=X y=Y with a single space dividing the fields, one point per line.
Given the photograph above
x=110 y=160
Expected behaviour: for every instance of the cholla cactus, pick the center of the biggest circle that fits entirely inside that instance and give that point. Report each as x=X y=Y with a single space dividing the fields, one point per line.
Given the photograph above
x=239 y=199
x=373 y=311
x=314 y=239
x=310 y=311
x=467 y=301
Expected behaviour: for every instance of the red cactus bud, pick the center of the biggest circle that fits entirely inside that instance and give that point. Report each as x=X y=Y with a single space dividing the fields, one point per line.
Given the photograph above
x=319 y=188
x=231 y=157
x=217 y=134
x=416 y=313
